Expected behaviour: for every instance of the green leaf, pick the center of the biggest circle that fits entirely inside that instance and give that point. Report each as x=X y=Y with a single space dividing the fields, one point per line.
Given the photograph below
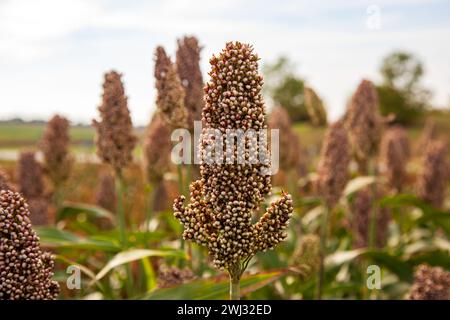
x=70 y=209
x=357 y=183
x=136 y=254
x=57 y=238
x=215 y=287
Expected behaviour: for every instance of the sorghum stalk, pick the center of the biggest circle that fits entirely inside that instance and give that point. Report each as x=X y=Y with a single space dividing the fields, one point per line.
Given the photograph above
x=222 y=201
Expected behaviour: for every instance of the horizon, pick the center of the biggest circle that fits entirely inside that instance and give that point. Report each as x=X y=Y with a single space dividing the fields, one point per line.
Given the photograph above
x=53 y=54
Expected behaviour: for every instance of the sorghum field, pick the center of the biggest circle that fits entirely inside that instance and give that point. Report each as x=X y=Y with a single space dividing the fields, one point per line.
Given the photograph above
x=359 y=208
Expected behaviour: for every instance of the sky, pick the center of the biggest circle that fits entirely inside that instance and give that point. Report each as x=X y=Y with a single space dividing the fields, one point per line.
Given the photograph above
x=53 y=53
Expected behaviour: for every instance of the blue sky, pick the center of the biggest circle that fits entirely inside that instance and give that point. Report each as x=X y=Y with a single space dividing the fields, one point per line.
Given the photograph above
x=53 y=52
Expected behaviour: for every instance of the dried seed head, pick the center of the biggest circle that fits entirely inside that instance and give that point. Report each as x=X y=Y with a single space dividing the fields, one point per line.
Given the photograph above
x=315 y=108
x=432 y=180
x=289 y=143
x=333 y=164
x=170 y=92
x=29 y=173
x=362 y=208
x=364 y=123
x=222 y=202
x=429 y=134
x=5 y=182
x=394 y=155
x=115 y=139
x=39 y=214
x=173 y=276
x=157 y=148
x=25 y=271
x=430 y=283
x=105 y=195
x=306 y=259
x=188 y=67
x=55 y=148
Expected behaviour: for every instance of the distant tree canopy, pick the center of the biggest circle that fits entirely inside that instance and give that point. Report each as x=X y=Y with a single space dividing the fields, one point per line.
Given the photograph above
x=285 y=88
x=400 y=92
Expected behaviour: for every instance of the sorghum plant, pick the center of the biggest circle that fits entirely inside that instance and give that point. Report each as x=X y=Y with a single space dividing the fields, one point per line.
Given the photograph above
x=394 y=155
x=188 y=67
x=429 y=134
x=173 y=276
x=25 y=271
x=432 y=180
x=315 y=108
x=170 y=92
x=364 y=124
x=115 y=139
x=32 y=187
x=5 y=182
x=55 y=148
x=105 y=195
x=332 y=177
x=430 y=283
x=223 y=200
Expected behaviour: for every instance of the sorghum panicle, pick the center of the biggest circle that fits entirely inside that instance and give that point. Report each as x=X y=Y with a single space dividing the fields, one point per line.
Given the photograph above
x=361 y=208
x=5 y=182
x=188 y=67
x=432 y=180
x=394 y=155
x=32 y=187
x=25 y=271
x=55 y=148
x=105 y=195
x=364 y=123
x=315 y=108
x=170 y=92
x=306 y=259
x=219 y=215
x=430 y=283
x=115 y=139
x=173 y=276
x=429 y=133
x=332 y=169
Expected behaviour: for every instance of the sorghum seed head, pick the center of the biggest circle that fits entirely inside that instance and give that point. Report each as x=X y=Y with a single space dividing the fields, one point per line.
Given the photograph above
x=5 y=182
x=362 y=208
x=188 y=67
x=173 y=276
x=394 y=154
x=333 y=164
x=306 y=258
x=315 y=108
x=364 y=123
x=25 y=271
x=222 y=202
x=115 y=139
x=170 y=92
x=157 y=148
x=432 y=180
x=429 y=133
x=55 y=148
x=105 y=195
x=30 y=177
x=430 y=283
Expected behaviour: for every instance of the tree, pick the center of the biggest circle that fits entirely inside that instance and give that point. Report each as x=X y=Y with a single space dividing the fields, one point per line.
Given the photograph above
x=285 y=88
x=401 y=92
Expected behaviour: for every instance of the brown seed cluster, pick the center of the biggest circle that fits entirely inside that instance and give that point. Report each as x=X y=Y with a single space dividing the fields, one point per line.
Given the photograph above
x=105 y=195
x=31 y=185
x=362 y=208
x=364 y=124
x=394 y=155
x=432 y=180
x=315 y=108
x=5 y=182
x=173 y=276
x=430 y=283
x=223 y=200
x=332 y=169
x=188 y=67
x=306 y=259
x=170 y=92
x=55 y=148
x=289 y=143
x=429 y=133
x=115 y=139
x=157 y=148
x=25 y=271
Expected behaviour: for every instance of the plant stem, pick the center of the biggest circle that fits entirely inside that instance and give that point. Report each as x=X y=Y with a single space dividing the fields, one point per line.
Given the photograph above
x=374 y=211
x=120 y=209
x=151 y=195
x=323 y=249
x=235 y=287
